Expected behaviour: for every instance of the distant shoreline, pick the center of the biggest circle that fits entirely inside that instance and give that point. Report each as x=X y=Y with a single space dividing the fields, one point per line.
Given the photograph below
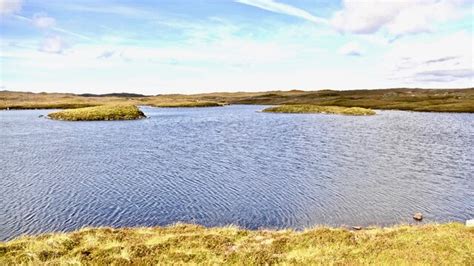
x=422 y=100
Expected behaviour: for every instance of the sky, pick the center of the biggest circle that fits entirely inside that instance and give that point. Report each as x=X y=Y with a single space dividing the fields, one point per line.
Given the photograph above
x=194 y=46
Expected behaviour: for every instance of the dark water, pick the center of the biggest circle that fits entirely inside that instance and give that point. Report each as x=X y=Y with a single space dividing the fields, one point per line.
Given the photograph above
x=233 y=165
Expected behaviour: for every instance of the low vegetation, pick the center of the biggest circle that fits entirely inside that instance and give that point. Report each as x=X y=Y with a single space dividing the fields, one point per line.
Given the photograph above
x=104 y=112
x=310 y=108
x=426 y=100
x=28 y=100
x=187 y=104
x=445 y=244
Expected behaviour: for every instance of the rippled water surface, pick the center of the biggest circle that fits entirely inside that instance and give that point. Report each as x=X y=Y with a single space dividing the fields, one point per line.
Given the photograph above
x=233 y=165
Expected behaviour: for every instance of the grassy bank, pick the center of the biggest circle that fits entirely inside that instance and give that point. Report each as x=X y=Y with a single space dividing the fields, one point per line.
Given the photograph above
x=310 y=108
x=104 y=112
x=445 y=244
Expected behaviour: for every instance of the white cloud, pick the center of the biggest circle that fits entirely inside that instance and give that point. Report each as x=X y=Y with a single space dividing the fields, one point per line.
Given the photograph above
x=53 y=44
x=351 y=49
x=430 y=60
x=281 y=8
x=397 y=17
x=41 y=20
x=8 y=7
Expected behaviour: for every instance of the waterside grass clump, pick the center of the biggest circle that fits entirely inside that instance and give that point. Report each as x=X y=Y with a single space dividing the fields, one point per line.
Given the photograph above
x=104 y=112
x=444 y=244
x=310 y=108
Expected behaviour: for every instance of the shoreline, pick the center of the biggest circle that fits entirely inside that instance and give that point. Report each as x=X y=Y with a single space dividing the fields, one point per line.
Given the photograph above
x=404 y=99
x=448 y=243
x=241 y=104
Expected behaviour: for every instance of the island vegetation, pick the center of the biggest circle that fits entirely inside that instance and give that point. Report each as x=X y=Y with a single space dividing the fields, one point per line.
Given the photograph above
x=427 y=100
x=311 y=108
x=103 y=112
x=444 y=244
x=186 y=104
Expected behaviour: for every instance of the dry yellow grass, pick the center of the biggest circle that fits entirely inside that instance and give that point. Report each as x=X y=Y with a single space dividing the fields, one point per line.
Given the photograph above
x=444 y=244
x=435 y=100
x=310 y=108
x=185 y=104
x=26 y=100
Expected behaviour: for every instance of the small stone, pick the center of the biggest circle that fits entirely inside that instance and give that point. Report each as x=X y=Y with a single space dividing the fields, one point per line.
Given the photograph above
x=357 y=227
x=418 y=216
x=470 y=223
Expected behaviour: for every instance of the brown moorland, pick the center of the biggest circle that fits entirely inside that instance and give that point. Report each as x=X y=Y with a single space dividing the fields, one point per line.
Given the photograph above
x=428 y=100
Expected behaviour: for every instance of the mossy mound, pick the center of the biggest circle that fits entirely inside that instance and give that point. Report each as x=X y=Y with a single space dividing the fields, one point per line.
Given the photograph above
x=97 y=113
x=310 y=108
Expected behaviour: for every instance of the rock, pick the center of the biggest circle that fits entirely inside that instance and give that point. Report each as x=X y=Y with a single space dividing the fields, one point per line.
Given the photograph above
x=41 y=116
x=418 y=216
x=470 y=223
x=357 y=227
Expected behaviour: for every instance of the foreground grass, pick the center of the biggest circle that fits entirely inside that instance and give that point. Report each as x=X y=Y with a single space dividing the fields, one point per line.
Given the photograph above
x=445 y=244
x=104 y=112
x=310 y=108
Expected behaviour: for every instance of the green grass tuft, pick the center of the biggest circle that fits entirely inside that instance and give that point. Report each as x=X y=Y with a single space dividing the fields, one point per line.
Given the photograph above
x=309 y=108
x=104 y=112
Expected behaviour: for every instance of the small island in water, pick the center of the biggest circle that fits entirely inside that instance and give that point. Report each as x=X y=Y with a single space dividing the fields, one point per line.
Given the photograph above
x=186 y=104
x=311 y=108
x=98 y=113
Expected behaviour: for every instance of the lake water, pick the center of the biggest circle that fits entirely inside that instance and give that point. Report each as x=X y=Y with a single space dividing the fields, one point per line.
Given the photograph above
x=234 y=165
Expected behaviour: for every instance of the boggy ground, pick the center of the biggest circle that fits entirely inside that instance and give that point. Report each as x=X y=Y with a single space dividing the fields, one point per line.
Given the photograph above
x=432 y=244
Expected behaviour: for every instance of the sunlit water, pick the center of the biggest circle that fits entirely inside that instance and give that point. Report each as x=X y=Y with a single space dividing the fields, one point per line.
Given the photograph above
x=234 y=165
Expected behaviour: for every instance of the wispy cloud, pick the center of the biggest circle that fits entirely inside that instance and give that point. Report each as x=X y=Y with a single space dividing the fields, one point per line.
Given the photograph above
x=439 y=60
x=281 y=8
x=119 y=10
x=351 y=49
x=106 y=55
x=450 y=73
x=41 y=20
x=54 y=28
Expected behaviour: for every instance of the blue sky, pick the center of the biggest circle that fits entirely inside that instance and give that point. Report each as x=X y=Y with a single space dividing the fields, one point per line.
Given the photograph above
x=179 y=46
